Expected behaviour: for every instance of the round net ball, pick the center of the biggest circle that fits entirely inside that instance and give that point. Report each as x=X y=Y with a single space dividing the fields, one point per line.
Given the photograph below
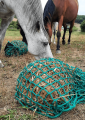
x=47 y=84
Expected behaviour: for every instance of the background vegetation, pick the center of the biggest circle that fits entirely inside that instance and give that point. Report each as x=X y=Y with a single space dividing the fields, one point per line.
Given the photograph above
x=83 y=26
x=12 y=26
x=80 y=19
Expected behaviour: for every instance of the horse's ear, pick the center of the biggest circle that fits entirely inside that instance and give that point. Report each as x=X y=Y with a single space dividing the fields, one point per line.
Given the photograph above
x=46 y=20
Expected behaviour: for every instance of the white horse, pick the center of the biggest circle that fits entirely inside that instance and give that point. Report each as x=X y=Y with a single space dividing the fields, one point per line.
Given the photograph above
x=54 y=29
x=30 y=16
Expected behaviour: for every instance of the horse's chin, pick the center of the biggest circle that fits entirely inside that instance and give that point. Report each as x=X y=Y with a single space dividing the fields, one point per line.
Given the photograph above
x=37 y=57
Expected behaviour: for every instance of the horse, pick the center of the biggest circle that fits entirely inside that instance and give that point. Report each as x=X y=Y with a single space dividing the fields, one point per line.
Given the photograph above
x=30 y=16
x=24 y=38
x=54 y=30
x=22 y=33
x=63 y=12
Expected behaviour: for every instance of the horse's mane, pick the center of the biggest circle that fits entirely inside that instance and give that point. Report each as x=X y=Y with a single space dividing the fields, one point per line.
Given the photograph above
x=32 y=10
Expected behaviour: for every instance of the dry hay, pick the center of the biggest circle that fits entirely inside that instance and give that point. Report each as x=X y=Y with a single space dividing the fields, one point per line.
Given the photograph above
x=39 y=83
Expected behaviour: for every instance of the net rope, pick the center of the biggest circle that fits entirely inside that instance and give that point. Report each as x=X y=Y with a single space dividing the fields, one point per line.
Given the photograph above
x=15 y=48
x=50 y=87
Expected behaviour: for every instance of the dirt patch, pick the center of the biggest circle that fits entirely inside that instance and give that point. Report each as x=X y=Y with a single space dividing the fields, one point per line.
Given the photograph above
x=14 y=65
x=14 y=20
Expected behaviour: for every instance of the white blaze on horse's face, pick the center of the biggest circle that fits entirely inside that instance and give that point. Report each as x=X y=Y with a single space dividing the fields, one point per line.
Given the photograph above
x=38 y=45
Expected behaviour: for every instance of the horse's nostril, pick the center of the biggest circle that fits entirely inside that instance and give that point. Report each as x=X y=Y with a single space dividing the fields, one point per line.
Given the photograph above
x=45 y=43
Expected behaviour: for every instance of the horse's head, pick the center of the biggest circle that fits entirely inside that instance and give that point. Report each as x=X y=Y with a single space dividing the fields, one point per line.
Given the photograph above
x=48 y=27
x=37 y=40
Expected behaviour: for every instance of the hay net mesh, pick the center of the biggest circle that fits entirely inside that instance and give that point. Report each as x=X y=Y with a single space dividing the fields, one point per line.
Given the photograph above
x=16 y=48
x=50 y=87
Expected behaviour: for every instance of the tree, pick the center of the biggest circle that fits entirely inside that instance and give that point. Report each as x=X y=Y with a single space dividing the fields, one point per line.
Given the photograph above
x=80 y=19
x=83 y=26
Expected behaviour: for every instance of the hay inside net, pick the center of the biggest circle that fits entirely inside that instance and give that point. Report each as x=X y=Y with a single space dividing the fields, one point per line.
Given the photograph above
x=15 y=48
x=47 y=86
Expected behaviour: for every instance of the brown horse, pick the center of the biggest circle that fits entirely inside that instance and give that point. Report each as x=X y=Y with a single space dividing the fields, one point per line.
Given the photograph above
x=63 y=12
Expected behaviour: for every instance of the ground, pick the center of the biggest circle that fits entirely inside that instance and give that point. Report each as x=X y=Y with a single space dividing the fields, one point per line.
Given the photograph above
x=14 y=19
x=73 y=54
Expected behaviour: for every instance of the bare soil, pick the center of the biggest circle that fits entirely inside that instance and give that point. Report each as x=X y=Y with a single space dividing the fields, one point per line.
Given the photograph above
x=73 y=54
x=14 y=19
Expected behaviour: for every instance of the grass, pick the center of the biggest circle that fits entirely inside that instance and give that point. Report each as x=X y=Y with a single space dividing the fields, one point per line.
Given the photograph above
x=13 y=115
x=8 y=116
x=13 y=33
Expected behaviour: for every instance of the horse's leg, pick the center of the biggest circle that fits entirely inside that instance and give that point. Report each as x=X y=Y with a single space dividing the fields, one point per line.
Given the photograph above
x=70 y=30
x=24 y=39
x=54 y=36
x=23 y=35
x=59 y=34
x=4 y=25
x=55 y=28
x=63 y=38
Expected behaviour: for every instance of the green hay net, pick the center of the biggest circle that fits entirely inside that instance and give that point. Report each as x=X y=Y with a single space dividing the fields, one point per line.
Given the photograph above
x=15 y=48
x=50 y=87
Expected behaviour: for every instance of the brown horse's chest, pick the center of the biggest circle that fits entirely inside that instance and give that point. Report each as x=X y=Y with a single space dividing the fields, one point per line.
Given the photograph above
x=60 y=8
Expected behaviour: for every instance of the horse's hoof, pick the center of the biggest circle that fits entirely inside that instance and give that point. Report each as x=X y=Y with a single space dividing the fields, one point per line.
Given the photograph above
x=68 y=43
x=1 y=65
x=54 y=43
x=58 y=51
x=63 y=42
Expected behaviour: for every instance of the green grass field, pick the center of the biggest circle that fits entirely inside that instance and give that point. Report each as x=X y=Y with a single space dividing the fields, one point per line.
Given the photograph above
x=12 y=33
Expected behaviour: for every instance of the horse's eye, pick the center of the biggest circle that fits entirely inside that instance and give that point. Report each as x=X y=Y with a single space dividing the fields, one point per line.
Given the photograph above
x=38 y=25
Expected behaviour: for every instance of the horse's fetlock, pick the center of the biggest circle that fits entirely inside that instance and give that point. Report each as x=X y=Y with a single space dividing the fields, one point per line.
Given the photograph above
x=68 y=42
x=58 y=34
x=63 y=42
x=58 y=47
